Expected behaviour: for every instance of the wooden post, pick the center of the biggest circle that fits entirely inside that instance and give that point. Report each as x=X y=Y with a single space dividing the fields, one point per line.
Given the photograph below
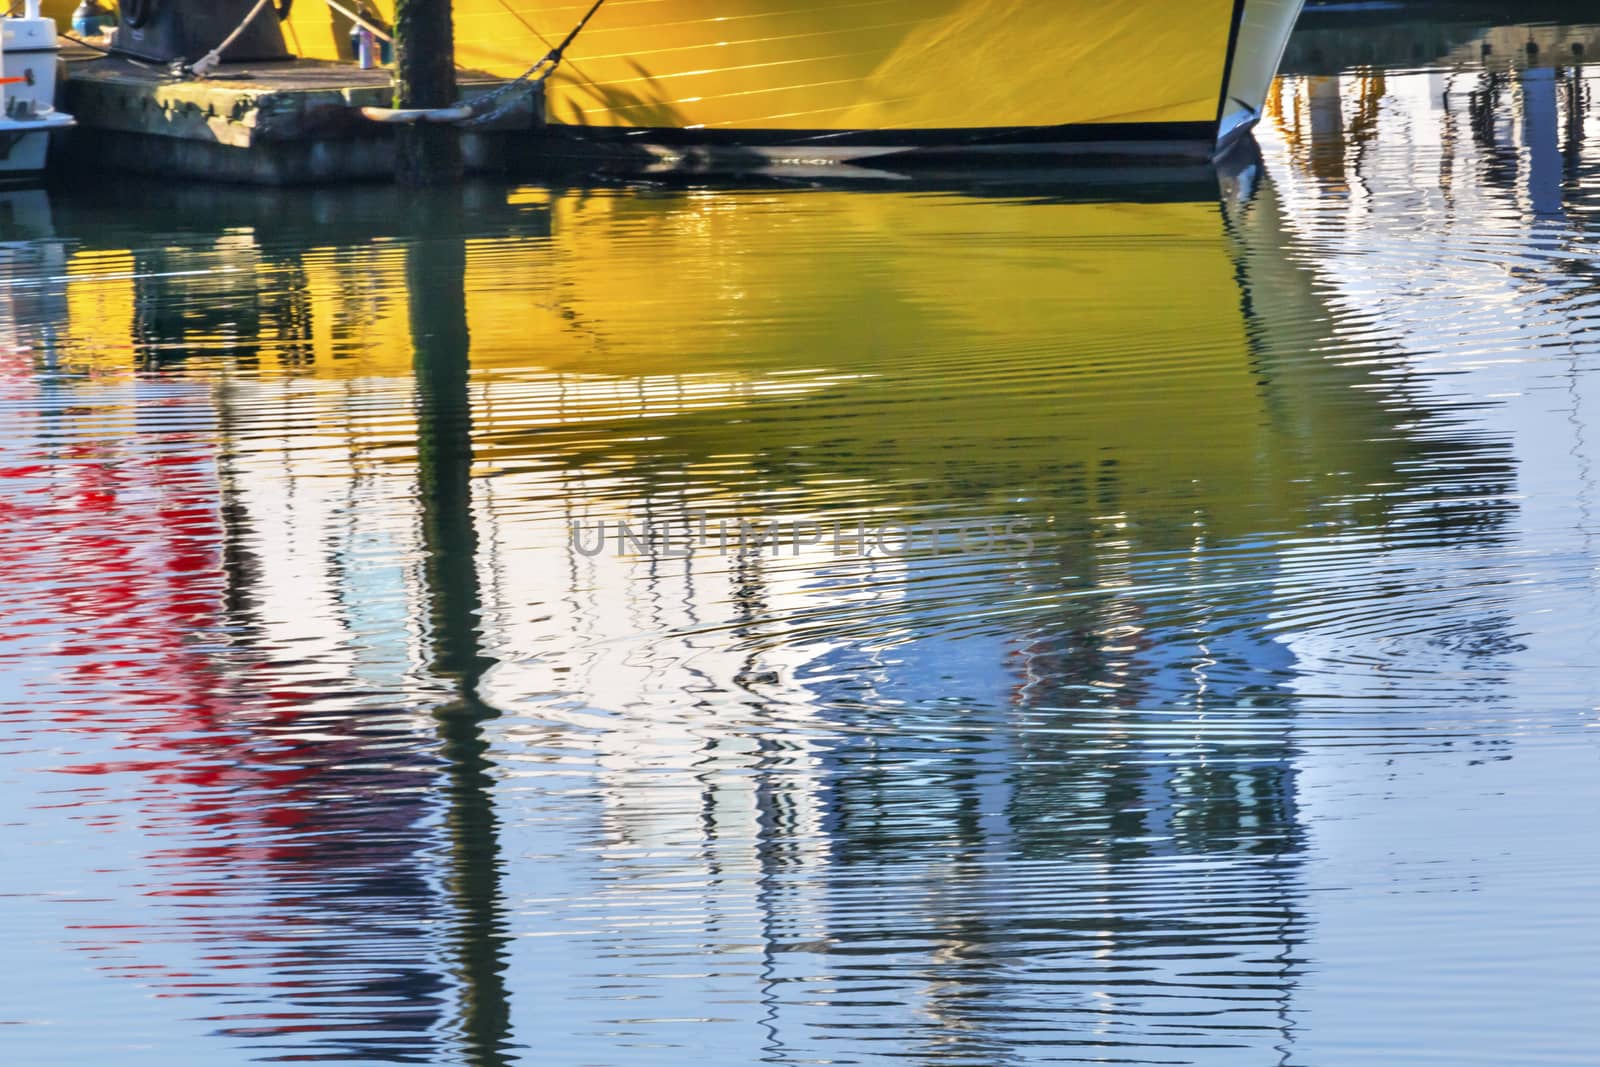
x=425 y=77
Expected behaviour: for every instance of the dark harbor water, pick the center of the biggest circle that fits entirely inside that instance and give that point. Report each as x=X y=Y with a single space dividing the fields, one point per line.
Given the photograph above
x=1243 y=712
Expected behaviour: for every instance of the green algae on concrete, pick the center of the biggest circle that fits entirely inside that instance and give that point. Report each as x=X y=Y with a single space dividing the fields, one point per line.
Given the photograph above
x=276 y=123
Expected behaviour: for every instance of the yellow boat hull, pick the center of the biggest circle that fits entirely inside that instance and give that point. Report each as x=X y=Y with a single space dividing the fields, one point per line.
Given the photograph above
x=852 y=77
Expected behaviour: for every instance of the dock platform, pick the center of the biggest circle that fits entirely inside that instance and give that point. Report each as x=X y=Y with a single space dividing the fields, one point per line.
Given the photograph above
x=284 y=122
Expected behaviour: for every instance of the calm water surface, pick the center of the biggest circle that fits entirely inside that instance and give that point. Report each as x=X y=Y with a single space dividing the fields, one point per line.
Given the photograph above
x=1262 y=732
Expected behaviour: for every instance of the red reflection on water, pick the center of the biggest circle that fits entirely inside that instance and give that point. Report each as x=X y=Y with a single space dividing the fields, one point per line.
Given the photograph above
x=265 y=854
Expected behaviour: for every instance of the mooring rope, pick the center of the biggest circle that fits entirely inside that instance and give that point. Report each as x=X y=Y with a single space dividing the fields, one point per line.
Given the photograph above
x=533 y=75
x=471 y=112
x=212 y=59
x=360 y=21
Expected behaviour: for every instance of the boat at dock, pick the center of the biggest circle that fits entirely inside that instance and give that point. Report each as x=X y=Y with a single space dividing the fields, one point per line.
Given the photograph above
x=836 y=80
x=847 y=79
x=27 y=92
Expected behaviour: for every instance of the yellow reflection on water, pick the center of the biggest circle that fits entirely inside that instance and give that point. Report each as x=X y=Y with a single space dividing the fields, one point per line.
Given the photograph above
x=864 y=345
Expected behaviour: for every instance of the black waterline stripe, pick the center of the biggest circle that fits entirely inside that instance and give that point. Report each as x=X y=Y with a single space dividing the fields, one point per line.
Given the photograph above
x=1077 y=133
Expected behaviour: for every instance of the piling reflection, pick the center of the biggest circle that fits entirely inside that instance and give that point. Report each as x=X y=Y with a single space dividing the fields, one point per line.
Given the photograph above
x=454 y=788
x=436 y=265
x=1496 y=87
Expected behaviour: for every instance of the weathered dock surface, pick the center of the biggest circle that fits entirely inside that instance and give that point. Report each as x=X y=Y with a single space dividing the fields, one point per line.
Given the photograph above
x=272 y=123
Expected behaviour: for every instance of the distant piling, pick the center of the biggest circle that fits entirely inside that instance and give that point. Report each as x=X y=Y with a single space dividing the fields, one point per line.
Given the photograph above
x=425 y=77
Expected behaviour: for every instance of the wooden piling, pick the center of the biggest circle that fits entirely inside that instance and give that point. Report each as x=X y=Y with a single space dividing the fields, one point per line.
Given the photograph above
x=425 y=77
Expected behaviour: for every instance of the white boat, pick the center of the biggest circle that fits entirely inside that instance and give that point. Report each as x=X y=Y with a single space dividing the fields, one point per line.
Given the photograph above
x=28 y=51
